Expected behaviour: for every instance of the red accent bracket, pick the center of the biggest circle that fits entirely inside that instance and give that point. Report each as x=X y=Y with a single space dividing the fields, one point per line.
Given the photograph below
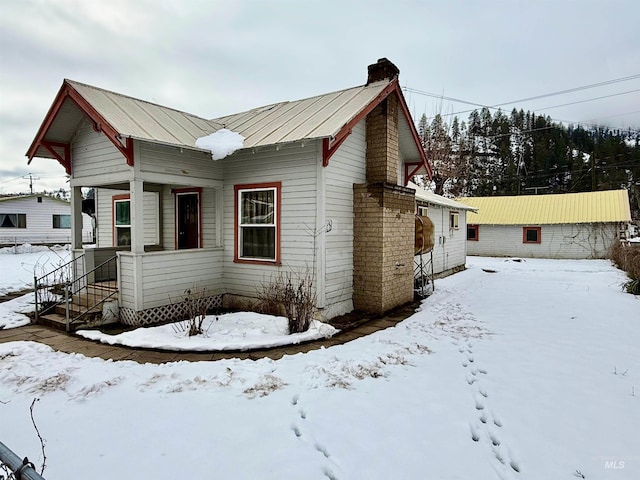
x=65 y=159
x=408 y=175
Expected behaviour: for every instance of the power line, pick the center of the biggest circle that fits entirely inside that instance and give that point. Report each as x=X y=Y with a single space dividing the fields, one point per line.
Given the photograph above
x=536 y=97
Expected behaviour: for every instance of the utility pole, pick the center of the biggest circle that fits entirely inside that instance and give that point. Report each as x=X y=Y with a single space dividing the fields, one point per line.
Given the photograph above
x=31 y=179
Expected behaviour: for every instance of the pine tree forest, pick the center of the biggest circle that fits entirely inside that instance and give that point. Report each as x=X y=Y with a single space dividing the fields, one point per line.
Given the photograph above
x=524 y=153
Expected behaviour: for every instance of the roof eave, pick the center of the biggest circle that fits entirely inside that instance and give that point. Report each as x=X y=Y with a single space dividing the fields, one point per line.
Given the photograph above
x=331 y=144
x=100 y=124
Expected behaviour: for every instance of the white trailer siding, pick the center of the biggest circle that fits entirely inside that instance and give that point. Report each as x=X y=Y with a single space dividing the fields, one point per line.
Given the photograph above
x=39 y=221
x=94 y=159
x=294 y=166
x=346 y=167
x=449 y=250
x=104 y=214
x=569 y=241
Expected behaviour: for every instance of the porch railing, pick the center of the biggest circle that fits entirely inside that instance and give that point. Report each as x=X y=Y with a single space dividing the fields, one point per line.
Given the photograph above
x=82 y=295
x=91 y=295
x=51 y=288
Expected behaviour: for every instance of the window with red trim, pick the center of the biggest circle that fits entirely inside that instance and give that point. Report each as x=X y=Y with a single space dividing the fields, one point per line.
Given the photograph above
x=531 y=234
x=257 y=222
x=121 y=220
x=472 y=233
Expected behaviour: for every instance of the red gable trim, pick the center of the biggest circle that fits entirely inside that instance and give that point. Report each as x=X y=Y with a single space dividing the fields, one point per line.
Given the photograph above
x=329 y=146
x=98 y=121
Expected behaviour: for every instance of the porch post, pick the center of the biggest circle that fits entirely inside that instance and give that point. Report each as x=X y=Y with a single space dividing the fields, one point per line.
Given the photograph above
x=136 y=190
x=76 y=218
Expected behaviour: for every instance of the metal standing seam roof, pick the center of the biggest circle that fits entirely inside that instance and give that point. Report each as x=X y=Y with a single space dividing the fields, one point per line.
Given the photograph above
x=135 y=118
x=586 y=207
x=321 y=116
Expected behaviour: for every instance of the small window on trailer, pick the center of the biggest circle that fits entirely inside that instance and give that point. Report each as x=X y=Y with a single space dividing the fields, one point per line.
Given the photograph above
x=13 y=220
x=423 y=210
x=454 y=218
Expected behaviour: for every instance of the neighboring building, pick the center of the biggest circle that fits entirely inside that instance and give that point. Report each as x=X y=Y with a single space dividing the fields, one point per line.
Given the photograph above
x=450 y=229
x=38 y=220
x=318 y=186
x=570 y=225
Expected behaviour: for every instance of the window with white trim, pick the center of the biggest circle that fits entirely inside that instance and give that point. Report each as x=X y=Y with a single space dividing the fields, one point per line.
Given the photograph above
x=257 y=210
x=13 y=220
x=61 y=221
x=454 y=218
x=423 y=211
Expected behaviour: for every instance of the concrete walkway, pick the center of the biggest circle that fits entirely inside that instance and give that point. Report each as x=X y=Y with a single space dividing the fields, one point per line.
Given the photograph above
x=63 y=342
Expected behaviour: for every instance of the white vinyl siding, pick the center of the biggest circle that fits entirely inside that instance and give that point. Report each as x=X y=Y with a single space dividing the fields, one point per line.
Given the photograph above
x=95 y=157
x=175 y=164
x=104 y=206
x=165 y=276
x=39 y=221
x=295 y=167
x=570 y=241
x=346 y=167
x=208 y=204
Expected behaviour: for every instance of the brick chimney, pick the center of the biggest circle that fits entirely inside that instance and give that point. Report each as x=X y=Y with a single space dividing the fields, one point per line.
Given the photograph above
x=381 y=70
x=383 y=222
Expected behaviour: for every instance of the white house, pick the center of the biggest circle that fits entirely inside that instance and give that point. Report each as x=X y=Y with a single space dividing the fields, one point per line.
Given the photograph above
x=450 y=230
x=319 y=185
x=571 y=225
x=38 y=219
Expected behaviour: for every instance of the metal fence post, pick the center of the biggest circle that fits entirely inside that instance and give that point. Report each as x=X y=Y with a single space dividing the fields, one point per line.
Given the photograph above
x=67 y=286
x=35 y=293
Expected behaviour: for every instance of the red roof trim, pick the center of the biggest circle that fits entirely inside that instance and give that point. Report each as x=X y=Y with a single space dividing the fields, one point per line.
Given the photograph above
x=98 y=121
x=329 y=146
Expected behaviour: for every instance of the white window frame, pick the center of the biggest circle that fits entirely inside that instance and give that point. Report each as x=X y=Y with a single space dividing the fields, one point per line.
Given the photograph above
x=240 y=191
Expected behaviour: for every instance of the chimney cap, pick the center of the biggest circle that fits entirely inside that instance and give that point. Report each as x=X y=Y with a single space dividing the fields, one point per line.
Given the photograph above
x=381 y=70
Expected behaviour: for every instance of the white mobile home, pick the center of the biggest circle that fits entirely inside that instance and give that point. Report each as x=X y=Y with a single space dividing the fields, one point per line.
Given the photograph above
x=318 y=185
x=571 y=225
x=38 y=220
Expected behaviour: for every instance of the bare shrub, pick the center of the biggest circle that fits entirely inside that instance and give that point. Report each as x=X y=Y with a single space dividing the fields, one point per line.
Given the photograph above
x=293 y=296
x=195 y=305
x=627 y=258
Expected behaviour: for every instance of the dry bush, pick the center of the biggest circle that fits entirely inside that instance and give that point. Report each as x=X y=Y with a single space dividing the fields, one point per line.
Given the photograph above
x=627 y=258
x=295 y=297
x=195 y=310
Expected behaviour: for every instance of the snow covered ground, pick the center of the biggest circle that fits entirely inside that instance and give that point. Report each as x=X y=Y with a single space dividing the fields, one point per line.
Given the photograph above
x=18 y=265
x=531 y=372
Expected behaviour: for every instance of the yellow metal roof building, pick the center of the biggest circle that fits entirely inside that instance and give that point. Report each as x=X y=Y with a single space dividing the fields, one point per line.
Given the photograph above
x=586 y=207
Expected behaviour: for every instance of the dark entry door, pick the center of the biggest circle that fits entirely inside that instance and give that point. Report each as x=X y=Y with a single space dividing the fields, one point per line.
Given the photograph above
x=188 y=221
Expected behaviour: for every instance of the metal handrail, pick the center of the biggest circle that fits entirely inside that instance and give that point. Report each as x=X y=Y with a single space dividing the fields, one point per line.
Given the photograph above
x=106 y=271
x=22 y=469
x=38 y=284
x=81 y=283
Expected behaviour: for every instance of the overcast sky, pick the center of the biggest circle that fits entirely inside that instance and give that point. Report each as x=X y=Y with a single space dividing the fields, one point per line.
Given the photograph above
x=212 y=58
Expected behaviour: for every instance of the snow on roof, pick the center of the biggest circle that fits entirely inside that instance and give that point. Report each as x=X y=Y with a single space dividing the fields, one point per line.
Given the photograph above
x=221 y=143
x=434 y=199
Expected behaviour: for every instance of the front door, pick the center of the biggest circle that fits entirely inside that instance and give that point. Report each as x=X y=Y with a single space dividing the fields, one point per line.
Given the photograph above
x=188 y=222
